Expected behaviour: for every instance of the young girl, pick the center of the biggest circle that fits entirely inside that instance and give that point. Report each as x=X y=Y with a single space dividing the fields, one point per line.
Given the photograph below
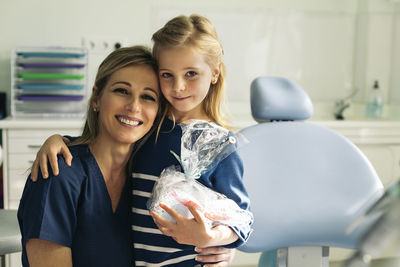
x=191 y=74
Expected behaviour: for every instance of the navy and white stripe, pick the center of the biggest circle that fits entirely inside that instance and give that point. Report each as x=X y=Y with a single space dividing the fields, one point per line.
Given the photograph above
x=146 y=234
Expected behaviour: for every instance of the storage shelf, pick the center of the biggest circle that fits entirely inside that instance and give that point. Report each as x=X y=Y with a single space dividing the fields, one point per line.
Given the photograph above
x=49 y=81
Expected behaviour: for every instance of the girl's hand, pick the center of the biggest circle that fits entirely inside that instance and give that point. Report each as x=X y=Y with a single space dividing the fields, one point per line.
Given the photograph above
x=193 y=231
x=54 y=145
x=187 y=231
x=220 y=256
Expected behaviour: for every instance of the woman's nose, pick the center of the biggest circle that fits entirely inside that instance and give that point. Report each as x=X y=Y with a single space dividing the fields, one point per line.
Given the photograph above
x=134 y=104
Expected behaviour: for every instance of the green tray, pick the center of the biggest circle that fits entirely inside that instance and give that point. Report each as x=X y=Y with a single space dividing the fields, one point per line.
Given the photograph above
x=50 y=76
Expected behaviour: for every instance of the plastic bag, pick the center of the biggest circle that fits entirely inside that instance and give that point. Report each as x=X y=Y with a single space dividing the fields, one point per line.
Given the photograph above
x=203 y=146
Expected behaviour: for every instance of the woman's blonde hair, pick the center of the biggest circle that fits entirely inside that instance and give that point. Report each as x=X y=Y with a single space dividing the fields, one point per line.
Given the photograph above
x=199 y=32
x=120 y=58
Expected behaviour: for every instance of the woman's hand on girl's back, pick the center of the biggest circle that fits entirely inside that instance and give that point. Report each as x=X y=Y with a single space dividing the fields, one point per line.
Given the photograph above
x=220 y=256
x=54 y=145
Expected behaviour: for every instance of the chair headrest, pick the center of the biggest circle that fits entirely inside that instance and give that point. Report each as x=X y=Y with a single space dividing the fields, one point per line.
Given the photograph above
x=277 y=98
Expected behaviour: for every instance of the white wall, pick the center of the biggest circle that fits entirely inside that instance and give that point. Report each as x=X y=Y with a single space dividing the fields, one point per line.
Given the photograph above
x=321 y=44
x=395 y=83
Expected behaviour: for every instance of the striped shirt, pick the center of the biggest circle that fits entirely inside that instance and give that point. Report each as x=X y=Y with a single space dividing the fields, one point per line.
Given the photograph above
x=151 y=247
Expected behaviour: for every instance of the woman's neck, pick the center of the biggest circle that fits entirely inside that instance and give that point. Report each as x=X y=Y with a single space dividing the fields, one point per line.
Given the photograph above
x=111 y=158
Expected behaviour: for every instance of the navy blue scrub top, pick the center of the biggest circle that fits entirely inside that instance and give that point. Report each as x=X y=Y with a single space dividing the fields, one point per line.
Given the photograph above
x=74 y=209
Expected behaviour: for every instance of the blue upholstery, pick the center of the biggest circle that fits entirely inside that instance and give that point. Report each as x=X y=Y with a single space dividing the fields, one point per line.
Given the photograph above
x=306 y=183
x=282 y=100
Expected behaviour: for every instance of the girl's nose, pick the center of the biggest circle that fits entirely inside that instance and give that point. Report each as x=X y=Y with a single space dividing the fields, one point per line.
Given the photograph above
x=179 y=85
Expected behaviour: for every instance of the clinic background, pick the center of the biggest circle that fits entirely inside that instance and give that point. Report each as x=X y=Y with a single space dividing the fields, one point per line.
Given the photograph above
x=332 y=48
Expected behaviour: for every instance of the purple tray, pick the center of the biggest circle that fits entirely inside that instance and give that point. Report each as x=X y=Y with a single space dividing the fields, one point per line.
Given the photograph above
x=51 y=65
x=47 y=98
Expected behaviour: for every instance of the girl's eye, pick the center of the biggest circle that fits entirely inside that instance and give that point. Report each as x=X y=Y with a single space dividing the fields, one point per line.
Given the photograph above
x=191 y=73
x=165 y=75
x=121 y=91
x=149 y=97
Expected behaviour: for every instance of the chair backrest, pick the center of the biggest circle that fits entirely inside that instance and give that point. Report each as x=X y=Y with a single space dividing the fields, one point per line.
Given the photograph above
x=306 y=183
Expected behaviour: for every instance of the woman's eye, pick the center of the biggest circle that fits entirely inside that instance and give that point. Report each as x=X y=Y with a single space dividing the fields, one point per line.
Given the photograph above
x=149 y=97
x=165 y=75
x=191 y=73
x=121 y=91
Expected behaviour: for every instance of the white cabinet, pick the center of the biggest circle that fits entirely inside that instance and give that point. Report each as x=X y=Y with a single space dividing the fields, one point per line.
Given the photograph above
x=385 y=159
x=378 y=140
x=21 y=140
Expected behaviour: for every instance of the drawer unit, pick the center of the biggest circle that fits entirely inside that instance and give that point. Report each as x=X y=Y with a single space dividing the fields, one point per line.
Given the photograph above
x=21 y=141
x=29 y=141
x=22 y=148
x=20 y=161
x=16 y=187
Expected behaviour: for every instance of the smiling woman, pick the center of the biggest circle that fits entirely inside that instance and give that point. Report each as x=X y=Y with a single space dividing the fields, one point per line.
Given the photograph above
x=81 y=217
x=127 y=105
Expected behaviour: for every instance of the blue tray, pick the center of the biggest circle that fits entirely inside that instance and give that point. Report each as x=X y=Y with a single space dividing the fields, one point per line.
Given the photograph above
x=49 y=98
x=51 y=65
x=50 y=86
x=51 y=54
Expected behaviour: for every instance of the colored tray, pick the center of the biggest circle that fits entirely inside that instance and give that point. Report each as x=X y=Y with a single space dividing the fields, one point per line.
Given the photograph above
x=50 y=76
x=50 y=86
x=48 y=98
x=51 y=65
x=51 y=54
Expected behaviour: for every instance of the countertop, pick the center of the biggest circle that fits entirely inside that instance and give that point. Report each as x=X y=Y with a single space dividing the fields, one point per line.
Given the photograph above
x=41 y=123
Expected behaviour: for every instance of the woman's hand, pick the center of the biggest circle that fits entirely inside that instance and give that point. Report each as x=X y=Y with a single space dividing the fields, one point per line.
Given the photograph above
x=194 y=231
x=219 y=256
x=54 y=145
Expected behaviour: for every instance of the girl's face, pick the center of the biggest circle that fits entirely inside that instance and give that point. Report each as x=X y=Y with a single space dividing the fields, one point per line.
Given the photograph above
x=185 y=78
x=128 y=104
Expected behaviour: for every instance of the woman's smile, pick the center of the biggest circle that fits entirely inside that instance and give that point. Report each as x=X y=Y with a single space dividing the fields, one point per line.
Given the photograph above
x=128 y=121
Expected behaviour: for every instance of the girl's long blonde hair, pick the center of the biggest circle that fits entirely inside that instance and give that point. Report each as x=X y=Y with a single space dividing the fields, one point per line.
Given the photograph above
x=199 y=32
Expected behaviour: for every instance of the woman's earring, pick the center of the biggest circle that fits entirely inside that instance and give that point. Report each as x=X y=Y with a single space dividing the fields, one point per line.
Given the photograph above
x=94 y=109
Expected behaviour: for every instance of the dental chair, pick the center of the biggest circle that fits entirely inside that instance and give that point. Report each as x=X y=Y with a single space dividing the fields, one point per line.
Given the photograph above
x=10 y=236
x=307 y=184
